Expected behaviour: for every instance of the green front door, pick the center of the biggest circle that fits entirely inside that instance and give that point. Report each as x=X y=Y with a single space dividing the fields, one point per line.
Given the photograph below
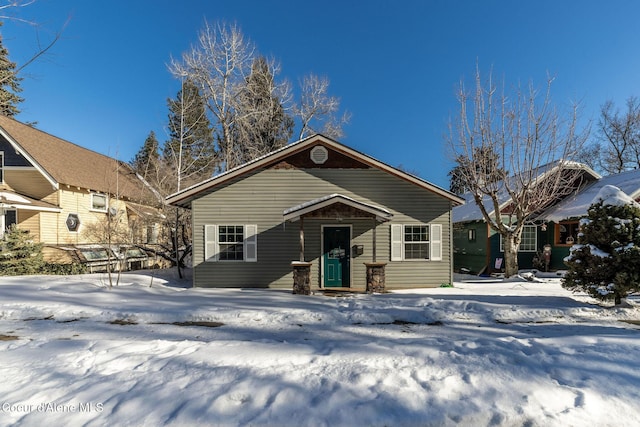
x=336 y=257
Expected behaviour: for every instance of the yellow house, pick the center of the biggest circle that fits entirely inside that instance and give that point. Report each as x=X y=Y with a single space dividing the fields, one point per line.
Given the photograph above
x=65 y=194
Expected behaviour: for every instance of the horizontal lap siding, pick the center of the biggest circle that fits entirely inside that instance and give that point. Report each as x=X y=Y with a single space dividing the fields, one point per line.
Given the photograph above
x=261 y=197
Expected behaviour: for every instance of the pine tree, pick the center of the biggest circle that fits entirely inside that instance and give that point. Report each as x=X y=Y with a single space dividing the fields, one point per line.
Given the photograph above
x=606 y=261
x=263 y=125
x=146 y=160
x=19 y=254
x=190 y=149
x=9 y=84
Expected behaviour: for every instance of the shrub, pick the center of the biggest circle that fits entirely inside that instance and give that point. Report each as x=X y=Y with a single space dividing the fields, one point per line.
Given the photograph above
x=19 y=256
x=606 y=261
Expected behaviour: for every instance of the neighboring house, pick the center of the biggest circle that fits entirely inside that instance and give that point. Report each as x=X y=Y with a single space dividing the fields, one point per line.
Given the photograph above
x=562 y=220
x=323 y=203
x=479 y=249
x=58 y=191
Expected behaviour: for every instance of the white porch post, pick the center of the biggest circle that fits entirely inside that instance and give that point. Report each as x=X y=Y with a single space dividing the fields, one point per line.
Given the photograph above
x=302 y=239
x=374 y=239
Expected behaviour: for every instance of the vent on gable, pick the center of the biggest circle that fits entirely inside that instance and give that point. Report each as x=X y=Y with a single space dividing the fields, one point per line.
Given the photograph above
x=319 y=155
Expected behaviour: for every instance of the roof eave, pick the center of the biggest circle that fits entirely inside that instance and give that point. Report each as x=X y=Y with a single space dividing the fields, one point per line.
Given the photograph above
x=294 y=214
x=31 y=160
x=184 y=197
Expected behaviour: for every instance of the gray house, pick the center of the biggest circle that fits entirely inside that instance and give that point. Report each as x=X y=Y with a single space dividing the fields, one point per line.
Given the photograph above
x=321 y=204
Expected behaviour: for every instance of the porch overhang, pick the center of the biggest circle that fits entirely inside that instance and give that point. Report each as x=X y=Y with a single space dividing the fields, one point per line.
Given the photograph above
x=12 y=200
x=321 y=208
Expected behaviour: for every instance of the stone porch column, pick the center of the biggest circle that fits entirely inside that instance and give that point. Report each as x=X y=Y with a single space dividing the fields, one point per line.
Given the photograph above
x=375 y=277
x=301 y=277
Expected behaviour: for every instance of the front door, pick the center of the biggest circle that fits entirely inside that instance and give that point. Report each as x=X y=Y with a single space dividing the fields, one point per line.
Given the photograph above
x=336 y=256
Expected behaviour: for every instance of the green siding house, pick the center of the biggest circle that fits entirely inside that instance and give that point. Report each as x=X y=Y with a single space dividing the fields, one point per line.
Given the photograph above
x=321 y=203
x=478 y=247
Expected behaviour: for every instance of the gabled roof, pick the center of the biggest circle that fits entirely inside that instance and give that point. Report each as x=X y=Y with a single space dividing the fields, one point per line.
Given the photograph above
x=577 y=205
x=295 y=212
x=185 y=197
x=471 y=212
x=64 y=163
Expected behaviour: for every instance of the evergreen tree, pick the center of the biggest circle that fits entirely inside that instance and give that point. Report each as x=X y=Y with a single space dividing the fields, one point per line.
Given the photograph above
x=190 y=150
x=262 y=125
x=19 y=254
x=9 y=84
x=146 y=160
x=606 y=261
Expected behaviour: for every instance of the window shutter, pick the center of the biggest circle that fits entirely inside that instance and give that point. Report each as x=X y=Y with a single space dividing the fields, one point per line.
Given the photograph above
x=211 y=247
x=251 y=243
x=436 y=242
x=396 y=242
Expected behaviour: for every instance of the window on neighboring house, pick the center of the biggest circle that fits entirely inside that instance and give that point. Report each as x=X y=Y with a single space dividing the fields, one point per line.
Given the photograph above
x=566 y=232
x=416 y=242
x=1 y=167
x=152 y=233
x=9 y=218
x=528 y=239
x=73 y=222
x=98 y=202
x=230 y=243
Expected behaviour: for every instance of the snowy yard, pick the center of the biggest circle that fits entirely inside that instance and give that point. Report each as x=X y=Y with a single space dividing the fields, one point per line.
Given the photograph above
x=74 y=352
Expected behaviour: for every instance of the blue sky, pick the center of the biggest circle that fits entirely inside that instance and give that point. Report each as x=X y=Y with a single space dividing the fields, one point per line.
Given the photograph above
x=395 y=64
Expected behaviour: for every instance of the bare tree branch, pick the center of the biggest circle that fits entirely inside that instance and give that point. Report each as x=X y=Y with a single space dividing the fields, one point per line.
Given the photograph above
x=529 y=165
x=42 y=49
x=316 y=106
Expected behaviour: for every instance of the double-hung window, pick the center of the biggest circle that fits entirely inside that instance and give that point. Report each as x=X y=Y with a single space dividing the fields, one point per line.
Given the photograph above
x=98 y=202
x=528 y=239
x=418 y=242
x=230 y=242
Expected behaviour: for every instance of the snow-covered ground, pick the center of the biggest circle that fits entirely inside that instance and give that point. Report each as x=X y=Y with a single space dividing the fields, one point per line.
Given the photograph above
x=484 y=353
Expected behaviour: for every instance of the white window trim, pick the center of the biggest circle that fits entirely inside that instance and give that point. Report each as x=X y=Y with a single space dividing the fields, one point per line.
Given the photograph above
x=106 y=203
x=535 y=240
x=398 y=243
x=212 y=246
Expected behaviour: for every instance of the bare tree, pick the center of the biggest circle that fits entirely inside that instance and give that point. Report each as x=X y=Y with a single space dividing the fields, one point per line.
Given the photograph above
x=620 y=134
x=190 y=150
x=534 y=144
x=188 y=155
x=317 y=110
x=219 y=64
x=41 y=48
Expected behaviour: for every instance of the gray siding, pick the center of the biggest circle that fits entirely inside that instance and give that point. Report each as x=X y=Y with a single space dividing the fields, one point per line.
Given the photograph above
x=261 y=197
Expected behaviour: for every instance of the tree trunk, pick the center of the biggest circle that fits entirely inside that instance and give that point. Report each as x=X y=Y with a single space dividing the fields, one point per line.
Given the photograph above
x=510 y=255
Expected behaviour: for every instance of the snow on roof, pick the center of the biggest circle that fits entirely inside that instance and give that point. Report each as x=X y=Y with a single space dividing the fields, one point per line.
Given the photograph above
x=470 y=211
x=613 y=196
x=577 y=206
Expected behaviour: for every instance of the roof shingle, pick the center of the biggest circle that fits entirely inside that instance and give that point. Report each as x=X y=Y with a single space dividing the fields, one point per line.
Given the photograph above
x=76 y=166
